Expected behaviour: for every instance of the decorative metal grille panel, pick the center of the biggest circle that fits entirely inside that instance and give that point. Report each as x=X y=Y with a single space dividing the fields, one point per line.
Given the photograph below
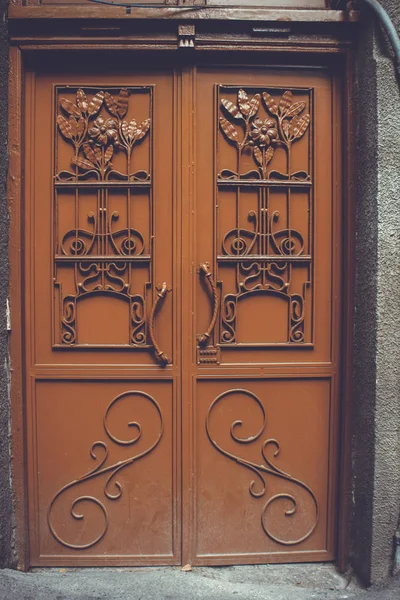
x=103 y=219
x=265 y=192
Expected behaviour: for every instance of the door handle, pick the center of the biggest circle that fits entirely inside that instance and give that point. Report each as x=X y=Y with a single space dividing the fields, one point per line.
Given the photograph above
x=204 y=338
x=162 y=358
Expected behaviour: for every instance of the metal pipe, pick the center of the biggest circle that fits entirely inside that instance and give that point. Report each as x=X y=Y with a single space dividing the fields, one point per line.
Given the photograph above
x=396 y=565
x=388 y=27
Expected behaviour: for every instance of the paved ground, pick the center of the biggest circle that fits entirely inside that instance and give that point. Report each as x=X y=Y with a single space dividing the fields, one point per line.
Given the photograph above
x=266 y=582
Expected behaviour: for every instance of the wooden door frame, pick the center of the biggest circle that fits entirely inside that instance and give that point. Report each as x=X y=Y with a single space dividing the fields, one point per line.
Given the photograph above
x=23 y=53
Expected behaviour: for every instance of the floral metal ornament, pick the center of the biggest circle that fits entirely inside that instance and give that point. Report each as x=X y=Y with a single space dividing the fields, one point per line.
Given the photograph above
x=243 y=126
x=263 y=133
x=104 y=131
x=96 y=136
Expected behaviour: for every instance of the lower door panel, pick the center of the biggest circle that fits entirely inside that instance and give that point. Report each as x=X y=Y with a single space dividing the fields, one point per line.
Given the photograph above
x=104 y=462
x=262 y=465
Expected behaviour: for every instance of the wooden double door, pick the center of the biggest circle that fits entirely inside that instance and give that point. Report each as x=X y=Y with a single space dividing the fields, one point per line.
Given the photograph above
x=182 y=315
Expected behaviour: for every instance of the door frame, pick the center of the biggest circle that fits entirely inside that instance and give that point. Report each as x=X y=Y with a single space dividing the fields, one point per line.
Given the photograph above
x=24 y=55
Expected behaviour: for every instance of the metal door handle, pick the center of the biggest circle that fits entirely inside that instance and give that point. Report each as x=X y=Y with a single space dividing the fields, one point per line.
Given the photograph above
x=203 y=339
x=159 y=354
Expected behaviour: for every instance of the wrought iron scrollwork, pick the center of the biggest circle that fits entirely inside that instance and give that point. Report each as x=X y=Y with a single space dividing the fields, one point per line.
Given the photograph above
x=109 y=276
x=264 y=469
x=263 y=259
x=162 y=358
x=204 y=338
x=109 y=471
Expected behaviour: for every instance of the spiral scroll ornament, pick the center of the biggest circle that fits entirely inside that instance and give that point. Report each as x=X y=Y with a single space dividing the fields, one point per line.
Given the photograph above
x=258 y=487
x=264 y=261
x=112 y=489
x=107 y=276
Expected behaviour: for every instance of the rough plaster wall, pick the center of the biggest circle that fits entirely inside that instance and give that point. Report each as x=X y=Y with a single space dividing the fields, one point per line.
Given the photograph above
x=376 y=458
x=6 y=521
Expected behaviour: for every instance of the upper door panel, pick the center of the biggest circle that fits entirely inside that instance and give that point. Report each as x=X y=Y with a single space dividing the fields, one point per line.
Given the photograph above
x=265 y=214
x=99 y=191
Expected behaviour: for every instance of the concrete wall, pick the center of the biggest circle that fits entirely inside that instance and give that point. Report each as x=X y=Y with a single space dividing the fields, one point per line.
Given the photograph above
x=376 y=456
x=6 y=520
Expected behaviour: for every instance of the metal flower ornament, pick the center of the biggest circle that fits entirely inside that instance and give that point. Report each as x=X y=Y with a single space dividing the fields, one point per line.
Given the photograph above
x=263 y=133
x=242 y=126
x=104 y=132
x=96 y=136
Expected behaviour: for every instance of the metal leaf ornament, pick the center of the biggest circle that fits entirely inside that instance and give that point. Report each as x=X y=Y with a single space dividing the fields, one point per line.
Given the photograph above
x=229 y=130
x=270 y=103
x=231 y=109
x=285 y=102
x=122 y=103
x=70 y=107
x=82 y=101
x=111 y=104
x=96 y=103
x=65 y=127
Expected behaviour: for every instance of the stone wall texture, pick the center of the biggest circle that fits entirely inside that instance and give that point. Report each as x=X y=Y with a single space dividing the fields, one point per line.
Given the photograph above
x=376 y=441
x=376 y=454
x=6 y=513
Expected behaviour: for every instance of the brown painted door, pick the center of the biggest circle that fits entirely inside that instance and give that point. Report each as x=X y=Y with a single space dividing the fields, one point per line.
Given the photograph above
x=181 y=276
